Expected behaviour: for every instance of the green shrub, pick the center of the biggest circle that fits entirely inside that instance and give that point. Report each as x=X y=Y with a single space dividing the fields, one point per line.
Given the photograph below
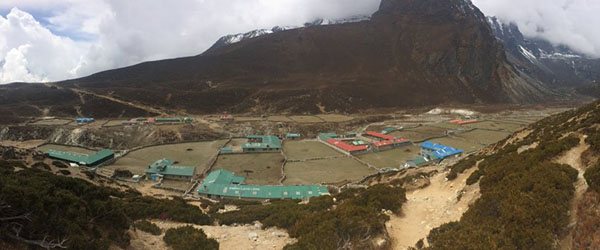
x=317 y=225
x=148 y=227
x=189 y=238
x=524 y=197
x=592 y=177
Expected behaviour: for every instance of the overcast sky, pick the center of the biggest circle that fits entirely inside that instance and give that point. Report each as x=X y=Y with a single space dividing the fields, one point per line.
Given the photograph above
x=50 y=40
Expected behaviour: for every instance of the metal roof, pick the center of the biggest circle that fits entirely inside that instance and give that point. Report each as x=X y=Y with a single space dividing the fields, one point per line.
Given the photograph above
x=395 y=141
x=326 y=136
x=222 y=183
x=166 y=167
x=266 y=141
x=440 y=151
x=380 y=135
x=79 y=158
x=293 y=135
x=347 y=147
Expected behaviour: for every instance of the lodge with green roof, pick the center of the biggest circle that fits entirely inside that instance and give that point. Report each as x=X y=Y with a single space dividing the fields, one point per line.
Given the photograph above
x=165 y=168
x=225 y=184
x=262 y=143
x=91 y=160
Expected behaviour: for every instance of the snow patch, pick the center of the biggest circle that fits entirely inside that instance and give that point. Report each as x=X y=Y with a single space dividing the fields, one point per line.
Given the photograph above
x=530 y=56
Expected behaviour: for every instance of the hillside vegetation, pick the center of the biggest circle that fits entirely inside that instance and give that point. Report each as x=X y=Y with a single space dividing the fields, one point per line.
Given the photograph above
x=38 y=208
x=525 y=197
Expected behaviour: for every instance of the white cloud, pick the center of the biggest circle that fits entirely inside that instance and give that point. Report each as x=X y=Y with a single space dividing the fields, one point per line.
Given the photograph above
x=30 y=52
x=573 y=23
x=107 y=34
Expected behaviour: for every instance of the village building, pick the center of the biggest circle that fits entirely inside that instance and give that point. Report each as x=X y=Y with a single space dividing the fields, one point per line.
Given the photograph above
x=262 y=143
x=166 y=169
x=84 y=120
x=225 y=184
x=90 y=160
x=434 y=151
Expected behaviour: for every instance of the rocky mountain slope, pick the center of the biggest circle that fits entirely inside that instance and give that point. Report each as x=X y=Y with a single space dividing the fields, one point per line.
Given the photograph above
x=558 y=66
x=410 y=53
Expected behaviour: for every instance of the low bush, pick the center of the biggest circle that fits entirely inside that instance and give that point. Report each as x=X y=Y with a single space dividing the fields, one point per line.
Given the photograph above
x=592 y=177
x=41 y=166
x=356 y=217
x=59 y=164
x=148 y=227
x=189 y=238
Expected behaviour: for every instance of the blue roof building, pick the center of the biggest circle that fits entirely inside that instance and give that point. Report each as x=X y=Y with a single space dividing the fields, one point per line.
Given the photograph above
x=81 y=120
x=436 y=151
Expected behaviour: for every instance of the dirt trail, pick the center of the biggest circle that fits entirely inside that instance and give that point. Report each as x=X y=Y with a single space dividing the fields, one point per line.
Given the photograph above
x=573 y=159
x=229 y=237
x=135 y=105
x=431 y=207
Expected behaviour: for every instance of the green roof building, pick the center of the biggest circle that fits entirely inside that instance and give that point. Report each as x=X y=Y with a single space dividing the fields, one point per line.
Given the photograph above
x=89 y=160
x=262 y=143
x=165 y=168
x=327 y=136
x=388 y=130
x=225 y=184
x=293 y=136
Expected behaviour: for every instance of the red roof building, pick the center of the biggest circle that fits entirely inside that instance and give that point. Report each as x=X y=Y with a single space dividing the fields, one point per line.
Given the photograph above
x=347 y=147
x=380 y=135
x=394 y=142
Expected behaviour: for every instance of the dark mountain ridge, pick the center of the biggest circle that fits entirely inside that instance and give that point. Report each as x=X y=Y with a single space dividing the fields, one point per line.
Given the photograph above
x=409 y=54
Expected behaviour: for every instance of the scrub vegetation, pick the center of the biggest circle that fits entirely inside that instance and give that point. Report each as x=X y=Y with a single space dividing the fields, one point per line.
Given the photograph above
x=352 y=219
x=38 y=208
x=525 y=197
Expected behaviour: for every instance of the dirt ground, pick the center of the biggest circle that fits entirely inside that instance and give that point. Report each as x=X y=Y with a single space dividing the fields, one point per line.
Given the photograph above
x=279 y=118
x=258 y=168
x=137 y=161
x=53 y=122
x=299 y=150
x=431 y=207
x=486 y=137
x=23 y=144
x=459 y=143
x=335 y=118
x=420 y=133
x=573 y=158
x=306 y=119
x=112 y=123
x=507 y=126
x=325 y=171
x=75 y=149
x=229 y=237
x=391 y=158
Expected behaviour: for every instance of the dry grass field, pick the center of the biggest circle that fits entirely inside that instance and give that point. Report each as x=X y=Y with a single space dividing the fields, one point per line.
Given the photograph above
x=325 y=171
x=113 y=123
x=420 y=133
x=335 y=118
x=299 y=150
x=391 y=158
x=279 y=118
x=187 y=154
x=484 y=136
x=53 y=122
x=459 y=143
x=306 y=119
x=258 y=168
x=75 y=149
